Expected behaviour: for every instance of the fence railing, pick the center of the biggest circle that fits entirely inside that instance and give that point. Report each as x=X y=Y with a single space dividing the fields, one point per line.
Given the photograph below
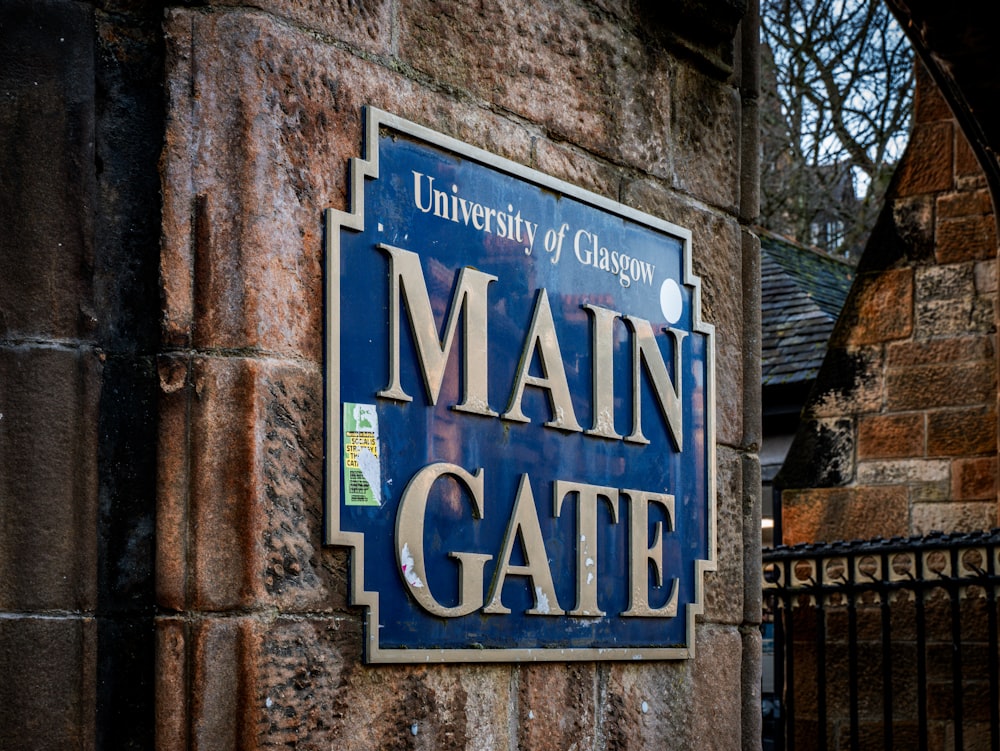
x=884 y=644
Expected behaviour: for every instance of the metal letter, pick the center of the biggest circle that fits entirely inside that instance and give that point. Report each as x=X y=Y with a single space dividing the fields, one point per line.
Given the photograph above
x=641 y=555
x=603 y=371
x=524 y=520
x=407 y=281
x=410 y=537
x=542 y=337
x=586 y=538
x=646 y=351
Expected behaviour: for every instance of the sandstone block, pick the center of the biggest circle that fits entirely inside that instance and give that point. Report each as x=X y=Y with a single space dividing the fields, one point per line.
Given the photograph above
x=967 y=349
x=49 y=401
x=724 y=587
x=986 y=277
x=851 y=382
x=927 y=164
x=641 y=705
x=967 y=165
x=929 y=103
x=557 y=707
x=968 y=238
x=46 y=248
x=903 y=471
x=968 y=516
x=974 y=479
x=47 y=697
x=828 y=514
x=717 y=678
x=606 y=83
x=890 y=436
x=699 y=102
x=243 y=214
x=241 y=505
x=964 y=203
x=879 y=309
x=933 y=386
x=962 y=432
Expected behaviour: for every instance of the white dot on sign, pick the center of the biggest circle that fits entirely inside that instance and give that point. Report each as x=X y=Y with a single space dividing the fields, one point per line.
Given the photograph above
x=645 y=708
x=670 y=301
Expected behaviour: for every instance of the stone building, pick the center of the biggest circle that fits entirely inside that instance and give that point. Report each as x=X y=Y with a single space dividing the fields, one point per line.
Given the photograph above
x=900 y=433
x=166 y=171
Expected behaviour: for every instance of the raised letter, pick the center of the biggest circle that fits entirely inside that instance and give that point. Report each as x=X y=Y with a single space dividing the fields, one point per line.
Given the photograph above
x=542 y=337
x=586 y=538
x=646 y=352
x=410 y=538
x=603 y=371
x=406 y=281
x=524 y=521
x=641 y=554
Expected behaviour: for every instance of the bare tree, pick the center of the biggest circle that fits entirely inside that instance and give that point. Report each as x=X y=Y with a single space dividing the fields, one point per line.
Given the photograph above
x=836 y=100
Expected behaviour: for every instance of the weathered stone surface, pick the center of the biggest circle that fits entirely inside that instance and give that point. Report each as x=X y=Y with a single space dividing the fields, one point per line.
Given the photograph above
x=49 y=400
x=366 y=25
x=927 y=165
x=967 y=238
x=607 y=83
x=902 y=471
x=48 y=696
x=933 y=386
x=851 y=382
x=974 y=479
x=828 y=514
x=724 y=587
x=576 y=167
x=879 y=309
x=699 y=102
x=964 y=203
x=904 y=355
x=557 y=708
x=962 y=432
x=291 y=124
x=47 y=246
x=890 y=436
x=241 y=502
x=969 y=516
x=821 y=455
x=717 y=677
x=641 y=705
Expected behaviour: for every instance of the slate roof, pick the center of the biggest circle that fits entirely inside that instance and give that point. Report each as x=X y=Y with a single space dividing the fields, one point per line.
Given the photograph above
x=802 y=293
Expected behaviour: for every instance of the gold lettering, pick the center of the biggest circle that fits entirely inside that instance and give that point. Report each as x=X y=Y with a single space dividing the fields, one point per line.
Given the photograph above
x=407 y=283
x=586 y=538
x=410 y=538
x=603 y=372
x=645 y=351
x=542 y=338
x=641 y=554
x=524 y=524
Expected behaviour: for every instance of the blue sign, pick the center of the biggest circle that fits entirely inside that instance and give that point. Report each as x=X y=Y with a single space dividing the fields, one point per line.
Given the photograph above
x=520 y=442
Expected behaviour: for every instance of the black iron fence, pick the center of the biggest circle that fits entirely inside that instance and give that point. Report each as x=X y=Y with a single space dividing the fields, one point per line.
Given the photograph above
x=883 y=644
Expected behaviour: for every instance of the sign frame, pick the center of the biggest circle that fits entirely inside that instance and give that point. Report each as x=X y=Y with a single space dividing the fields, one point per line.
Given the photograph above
x=367 y=167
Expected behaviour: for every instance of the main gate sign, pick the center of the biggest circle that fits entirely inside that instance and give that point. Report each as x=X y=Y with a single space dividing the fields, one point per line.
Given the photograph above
x=520 y=442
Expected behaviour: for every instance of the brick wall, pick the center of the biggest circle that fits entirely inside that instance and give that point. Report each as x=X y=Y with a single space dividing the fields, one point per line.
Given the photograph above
x=900 y=434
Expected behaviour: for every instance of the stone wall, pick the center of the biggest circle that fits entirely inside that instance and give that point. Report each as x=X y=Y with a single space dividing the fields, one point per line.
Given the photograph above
x=900 y=433
x=177 y=386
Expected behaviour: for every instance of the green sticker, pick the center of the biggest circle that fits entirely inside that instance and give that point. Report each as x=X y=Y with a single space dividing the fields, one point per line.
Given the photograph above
x=362 y=470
